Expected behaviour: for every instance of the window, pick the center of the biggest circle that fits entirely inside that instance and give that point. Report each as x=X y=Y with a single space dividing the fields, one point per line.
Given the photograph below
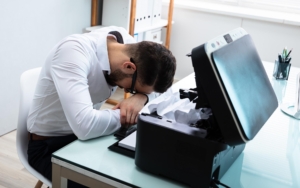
x=291 y=6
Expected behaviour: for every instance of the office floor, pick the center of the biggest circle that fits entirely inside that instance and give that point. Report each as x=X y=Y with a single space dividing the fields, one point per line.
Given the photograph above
x=12 y=172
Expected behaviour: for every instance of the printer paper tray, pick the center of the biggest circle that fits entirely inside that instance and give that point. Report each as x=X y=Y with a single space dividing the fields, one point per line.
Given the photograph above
x=116 y=148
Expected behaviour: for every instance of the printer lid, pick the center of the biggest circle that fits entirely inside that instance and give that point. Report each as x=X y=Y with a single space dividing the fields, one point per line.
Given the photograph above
x=231 y=77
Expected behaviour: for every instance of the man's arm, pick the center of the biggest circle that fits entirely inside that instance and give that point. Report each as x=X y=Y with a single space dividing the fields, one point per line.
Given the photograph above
x=130 y=108
x=69 y=71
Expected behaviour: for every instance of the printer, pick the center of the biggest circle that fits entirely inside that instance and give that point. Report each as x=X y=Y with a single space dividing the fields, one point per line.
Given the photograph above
x=231 y=81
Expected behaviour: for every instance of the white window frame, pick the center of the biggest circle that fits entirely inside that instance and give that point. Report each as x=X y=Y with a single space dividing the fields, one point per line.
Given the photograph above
x=231 y=8
x=288 y=6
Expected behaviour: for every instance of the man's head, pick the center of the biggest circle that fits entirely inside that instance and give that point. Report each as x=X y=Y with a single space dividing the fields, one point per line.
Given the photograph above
x=146 y=67
x=155 y=64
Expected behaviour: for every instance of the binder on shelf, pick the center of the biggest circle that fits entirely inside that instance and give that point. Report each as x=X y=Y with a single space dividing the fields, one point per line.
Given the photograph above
x=144 y=13
x=157 y=6
x=139 y=14
x=149 y=16
x=144 y=10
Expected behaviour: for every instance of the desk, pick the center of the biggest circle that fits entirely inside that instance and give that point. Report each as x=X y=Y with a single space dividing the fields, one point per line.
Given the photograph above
x=271 y=159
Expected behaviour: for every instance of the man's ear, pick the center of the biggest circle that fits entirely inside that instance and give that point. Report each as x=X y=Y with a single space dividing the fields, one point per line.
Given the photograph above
x=128 y=67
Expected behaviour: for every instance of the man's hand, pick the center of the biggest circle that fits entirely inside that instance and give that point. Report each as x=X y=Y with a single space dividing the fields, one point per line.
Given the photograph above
x=130 y=108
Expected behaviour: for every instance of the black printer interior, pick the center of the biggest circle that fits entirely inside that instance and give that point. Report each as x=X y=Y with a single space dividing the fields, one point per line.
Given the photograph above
x=209 y=125
x=211 y=133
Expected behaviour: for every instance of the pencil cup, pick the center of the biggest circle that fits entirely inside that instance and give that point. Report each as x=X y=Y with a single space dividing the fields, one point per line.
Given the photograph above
x=281 y=70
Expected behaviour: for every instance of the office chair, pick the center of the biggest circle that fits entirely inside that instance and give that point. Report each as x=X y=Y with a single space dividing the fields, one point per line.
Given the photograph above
x=28 y=82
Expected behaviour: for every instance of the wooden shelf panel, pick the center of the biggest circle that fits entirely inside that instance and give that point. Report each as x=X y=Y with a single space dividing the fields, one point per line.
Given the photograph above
x=159 y=24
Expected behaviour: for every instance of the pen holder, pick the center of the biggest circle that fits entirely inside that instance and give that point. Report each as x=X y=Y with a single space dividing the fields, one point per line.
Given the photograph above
x=281 y=70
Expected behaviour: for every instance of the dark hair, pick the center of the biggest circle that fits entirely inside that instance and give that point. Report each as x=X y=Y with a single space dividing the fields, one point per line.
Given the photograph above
x=156 y=64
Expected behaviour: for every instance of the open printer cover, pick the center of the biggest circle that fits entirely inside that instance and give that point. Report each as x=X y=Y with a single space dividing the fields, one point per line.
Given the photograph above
x=232 y=82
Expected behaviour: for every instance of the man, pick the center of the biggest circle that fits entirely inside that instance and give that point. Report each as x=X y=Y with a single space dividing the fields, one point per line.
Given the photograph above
x=80 y=73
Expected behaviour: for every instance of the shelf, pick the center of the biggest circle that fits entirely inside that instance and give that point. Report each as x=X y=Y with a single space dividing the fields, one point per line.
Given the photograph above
x=161 y=23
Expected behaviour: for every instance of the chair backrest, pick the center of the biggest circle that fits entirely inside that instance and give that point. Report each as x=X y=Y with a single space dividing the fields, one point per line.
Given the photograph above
x=28 y=83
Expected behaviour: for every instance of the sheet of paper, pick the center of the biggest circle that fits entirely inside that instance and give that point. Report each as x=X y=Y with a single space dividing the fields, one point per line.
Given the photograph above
x=152 y=105
x=171 y=107
x=129 y=142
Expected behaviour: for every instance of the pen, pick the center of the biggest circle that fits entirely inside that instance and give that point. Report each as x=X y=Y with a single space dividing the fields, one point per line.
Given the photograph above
x=289 y=53
x=282 y=55
x=279 y=58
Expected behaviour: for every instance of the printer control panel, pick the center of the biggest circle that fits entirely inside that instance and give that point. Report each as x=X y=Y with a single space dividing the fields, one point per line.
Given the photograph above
x=224 y=39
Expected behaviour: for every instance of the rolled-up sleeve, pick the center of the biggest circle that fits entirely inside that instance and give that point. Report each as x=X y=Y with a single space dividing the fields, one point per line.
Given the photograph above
x=69 y=70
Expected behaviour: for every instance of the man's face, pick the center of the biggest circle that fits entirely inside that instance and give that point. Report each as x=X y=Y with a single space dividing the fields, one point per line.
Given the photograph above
x=124 y=81
x=116 y=76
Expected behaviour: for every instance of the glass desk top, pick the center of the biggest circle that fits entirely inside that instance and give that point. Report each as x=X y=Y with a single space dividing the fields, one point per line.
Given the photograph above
x=271 y=159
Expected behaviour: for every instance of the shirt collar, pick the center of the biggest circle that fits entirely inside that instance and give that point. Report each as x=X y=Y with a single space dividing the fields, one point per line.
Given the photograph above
x=102 y=52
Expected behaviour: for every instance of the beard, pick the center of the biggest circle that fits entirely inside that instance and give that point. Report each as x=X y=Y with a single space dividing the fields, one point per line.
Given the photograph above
x=116 y=76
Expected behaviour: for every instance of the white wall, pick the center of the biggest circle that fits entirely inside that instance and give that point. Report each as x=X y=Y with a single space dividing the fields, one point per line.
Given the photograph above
x=28 y=30
x=192 y=28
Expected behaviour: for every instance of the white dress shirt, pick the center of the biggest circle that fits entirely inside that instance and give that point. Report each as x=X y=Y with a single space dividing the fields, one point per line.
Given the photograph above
x=71 y=84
